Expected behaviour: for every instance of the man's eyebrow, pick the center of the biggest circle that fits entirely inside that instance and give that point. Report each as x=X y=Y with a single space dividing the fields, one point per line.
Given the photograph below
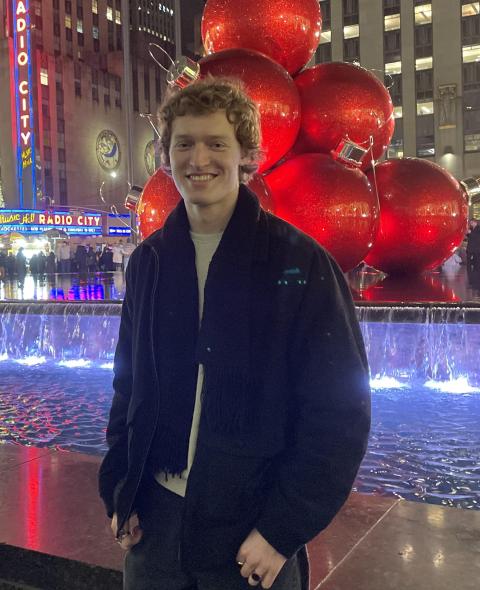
x=186 y=136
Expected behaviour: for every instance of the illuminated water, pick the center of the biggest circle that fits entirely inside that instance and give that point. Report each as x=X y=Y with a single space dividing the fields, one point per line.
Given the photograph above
x=55 y=391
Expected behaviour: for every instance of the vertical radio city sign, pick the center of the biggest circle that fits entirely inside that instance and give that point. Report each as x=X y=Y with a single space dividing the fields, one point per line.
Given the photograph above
x=22 y=115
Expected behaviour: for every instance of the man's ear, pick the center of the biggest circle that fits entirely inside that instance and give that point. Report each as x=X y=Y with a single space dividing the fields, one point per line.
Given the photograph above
x=245 y=159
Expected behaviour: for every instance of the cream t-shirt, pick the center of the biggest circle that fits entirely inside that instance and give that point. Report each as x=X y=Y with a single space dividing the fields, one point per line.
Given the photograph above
x=205 y=247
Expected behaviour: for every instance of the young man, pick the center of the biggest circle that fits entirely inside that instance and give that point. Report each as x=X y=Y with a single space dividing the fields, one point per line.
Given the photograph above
x=241 y=408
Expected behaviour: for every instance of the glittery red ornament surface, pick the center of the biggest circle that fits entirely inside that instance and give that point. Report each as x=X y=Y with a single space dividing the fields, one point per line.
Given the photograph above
x=423 y=216
x=271 y=88
x=160 y=196
x=339 y=101
x=262 y=190
x=335 y=205
x=288 y=31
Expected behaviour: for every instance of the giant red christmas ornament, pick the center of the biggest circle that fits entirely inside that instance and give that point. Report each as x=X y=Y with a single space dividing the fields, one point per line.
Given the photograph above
x=334 y=204
x=423 y=216
x=160 y=196
x=258 y=185
x=339 y=101
x=271 y=88
x=288 y=31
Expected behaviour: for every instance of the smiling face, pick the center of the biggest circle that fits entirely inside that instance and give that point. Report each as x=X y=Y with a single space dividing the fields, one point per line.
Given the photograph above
x=205 y=157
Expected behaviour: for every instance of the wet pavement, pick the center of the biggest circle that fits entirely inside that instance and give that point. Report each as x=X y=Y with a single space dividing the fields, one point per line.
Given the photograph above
x=447 y=285
x=374 y=543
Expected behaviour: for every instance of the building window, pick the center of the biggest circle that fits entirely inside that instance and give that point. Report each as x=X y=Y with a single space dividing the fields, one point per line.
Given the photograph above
x=425 y=136
x=392 y=46
x=394 y=85
x=391 y=6
x=351 y=49
x=324 y=53
x=424 y=41
x=68 y=7
x=96 y=45
x=471 y=30
x=423 y=14
x=395 y=149
x=471 y=76
x=68 y=34
x=423 y=63
x=106 y=100
x=351 y=31
x=59 y=96
x=44 y=76
x=95 y=93
x=118 y=17
x=392 y=22
x=79 y=26
x=78 y=88
x=95 y=6
x=63 y=191
x=61 y=125
x=47 y=153
x=326 y=15
x=424 y=84
x=68 y=21
x=350 y=12
x=61 y=155
x=109 y=13
x=119 y=38
x=81 y=39
x=424 y=107
x=471 y=9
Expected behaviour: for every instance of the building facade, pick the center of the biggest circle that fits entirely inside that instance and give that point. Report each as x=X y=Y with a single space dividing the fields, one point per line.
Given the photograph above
x=62 y=121
x=428 y=55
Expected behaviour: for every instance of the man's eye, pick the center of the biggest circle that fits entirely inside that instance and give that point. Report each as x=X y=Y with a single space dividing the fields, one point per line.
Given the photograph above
x=181 y=144
x=218 y=145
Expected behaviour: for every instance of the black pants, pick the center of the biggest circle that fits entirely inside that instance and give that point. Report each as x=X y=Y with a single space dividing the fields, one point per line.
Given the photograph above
x=153 y=563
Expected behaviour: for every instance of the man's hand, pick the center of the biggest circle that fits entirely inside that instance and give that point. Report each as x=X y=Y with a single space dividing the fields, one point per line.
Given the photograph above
x=131 y=528
x=259 y=558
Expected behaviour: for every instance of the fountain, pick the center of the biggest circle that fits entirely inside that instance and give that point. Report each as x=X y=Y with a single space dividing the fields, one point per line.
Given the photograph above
x=56 y=364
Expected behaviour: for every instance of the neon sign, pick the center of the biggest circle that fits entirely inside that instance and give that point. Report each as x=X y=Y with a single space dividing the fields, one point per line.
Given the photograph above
x=23 y=105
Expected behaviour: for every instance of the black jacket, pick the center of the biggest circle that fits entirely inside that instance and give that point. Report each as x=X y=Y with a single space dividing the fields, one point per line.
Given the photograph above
x=290 y=476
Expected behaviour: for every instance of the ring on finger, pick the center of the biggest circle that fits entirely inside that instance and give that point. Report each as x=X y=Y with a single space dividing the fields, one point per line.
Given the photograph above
x=255 y=577
x=121 y=537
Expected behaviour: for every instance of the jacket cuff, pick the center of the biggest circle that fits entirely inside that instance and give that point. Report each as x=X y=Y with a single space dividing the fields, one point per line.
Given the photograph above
x=280 y=533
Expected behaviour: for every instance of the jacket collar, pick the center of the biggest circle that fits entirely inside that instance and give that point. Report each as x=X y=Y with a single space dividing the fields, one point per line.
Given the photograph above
x=247 y=226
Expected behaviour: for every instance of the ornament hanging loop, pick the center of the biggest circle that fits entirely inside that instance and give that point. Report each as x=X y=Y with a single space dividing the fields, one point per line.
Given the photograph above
x=150 y=118
x=181 y=72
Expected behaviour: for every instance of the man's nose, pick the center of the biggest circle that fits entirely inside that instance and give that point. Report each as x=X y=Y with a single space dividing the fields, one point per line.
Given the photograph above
x=199 y=156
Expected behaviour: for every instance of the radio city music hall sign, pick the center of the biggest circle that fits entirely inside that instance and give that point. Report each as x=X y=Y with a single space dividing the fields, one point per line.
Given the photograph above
x=22 y=64
x=26 y=217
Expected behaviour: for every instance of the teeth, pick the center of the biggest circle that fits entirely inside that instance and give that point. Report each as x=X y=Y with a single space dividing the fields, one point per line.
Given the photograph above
x=201 y=177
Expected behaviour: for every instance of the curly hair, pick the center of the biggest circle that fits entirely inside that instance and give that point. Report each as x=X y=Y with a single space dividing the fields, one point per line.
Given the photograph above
x=206 y=96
